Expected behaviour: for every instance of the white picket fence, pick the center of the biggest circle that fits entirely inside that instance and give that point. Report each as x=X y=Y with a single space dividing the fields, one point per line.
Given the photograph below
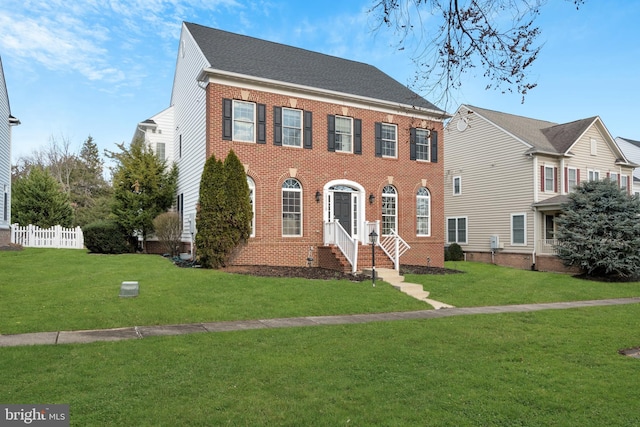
x=55 y=237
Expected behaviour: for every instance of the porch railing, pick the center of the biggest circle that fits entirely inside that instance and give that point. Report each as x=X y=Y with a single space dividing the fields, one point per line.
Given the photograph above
x=548 y=246
x=394 y=246
x=335 y=234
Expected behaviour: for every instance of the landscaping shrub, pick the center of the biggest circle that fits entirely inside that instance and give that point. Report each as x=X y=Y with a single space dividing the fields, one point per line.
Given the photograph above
x=453 y=253
x=168 y=228
x=105 y=237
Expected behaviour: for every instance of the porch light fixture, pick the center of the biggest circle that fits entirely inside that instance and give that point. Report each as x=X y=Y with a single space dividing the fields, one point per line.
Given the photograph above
x=318 y=196
x=373 y=237
x=372 y=198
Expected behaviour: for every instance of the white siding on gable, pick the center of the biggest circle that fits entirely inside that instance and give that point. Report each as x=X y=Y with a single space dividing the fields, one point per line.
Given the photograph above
x=189 y=102
x=5 y=155
x=498 y=180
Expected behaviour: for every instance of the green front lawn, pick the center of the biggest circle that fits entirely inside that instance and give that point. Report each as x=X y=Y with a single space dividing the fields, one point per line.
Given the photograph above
x=54 y=289
x=545 y=368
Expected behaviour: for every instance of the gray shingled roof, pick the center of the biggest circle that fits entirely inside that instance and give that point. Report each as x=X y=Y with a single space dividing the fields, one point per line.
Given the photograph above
x=631 y=141
x=264 y=59
x=540 y=134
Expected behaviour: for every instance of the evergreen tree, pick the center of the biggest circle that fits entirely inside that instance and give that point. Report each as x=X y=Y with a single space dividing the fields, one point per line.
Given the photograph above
x=238 y=201
x=91 y=195
x=143 y=188
x=599 y=231
x=210 y=215
x=224 y=213
x=39 y=199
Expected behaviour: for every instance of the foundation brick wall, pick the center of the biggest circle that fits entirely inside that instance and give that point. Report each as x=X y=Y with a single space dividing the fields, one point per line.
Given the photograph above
x=270 y=165
x=522 y=261
x=5 y=237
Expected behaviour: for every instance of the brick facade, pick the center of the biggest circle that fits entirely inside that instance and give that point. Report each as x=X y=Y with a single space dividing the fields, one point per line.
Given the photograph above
x=269 y=166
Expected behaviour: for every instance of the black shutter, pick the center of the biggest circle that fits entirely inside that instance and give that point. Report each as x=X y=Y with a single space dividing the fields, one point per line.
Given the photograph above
x=227 y=117
x=378 y=139
x=434 y=146
x=262 y=124
x=277 y=125
x=412 y=143
x=357 y=136
x=308 y=130
x=331 y=132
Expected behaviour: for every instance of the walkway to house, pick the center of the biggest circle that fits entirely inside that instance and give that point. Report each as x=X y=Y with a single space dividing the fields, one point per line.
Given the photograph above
x=138 y=332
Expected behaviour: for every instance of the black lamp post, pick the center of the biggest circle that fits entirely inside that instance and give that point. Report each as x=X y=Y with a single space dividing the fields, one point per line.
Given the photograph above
x=373 y=236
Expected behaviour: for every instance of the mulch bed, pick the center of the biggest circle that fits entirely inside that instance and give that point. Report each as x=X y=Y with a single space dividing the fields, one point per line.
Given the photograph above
x=323 y=273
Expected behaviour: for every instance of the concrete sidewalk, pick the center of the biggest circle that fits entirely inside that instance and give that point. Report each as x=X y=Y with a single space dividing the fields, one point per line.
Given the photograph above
x=139 y=332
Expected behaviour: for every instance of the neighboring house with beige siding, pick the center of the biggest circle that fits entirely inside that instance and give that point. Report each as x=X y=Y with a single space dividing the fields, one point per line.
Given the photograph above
x=507 y=176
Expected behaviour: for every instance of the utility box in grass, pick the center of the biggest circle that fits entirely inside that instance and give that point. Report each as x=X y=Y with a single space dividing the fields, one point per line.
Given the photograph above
x=129 y=289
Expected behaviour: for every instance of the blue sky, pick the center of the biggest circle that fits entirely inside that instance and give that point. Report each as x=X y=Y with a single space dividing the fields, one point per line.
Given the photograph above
x=98 y=67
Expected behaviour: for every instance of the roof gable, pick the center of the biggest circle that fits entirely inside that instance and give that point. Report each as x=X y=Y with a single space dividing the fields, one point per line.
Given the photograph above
x=254 y=57
x=564 y=136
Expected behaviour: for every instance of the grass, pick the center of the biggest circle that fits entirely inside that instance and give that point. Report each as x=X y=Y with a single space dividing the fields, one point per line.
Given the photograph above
x=52 y=290
x=486 y=284
x=551 y=368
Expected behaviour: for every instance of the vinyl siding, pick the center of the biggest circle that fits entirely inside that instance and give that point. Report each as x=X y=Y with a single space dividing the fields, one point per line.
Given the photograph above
x=497 y=181
x=188 y=100
x=5 y=152
x=632 y=152
x=604 y=160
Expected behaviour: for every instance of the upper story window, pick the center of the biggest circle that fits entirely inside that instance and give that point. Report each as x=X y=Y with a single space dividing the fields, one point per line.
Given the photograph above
x=344 y=134
x=243 y=121
x=594 y=175
x=291 y=127
x=624 y=183
x=389 y=139
x=572 y=179
x=244 y=118
x=422 y=144
x=549 y=183
x=613 y=176
x=457 y=185
x=160 y=151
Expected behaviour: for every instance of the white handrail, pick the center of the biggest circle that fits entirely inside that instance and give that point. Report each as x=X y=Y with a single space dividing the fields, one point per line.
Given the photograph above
x=335 y=234
x=394 y=246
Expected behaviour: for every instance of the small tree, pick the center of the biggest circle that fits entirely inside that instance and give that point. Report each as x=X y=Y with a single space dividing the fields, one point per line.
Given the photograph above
x=39 y=199
x=599 y=230
x=143 y=188
x=168 y=228
x=238 y=201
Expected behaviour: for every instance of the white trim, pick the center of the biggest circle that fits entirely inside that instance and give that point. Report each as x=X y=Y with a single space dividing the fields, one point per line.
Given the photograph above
x=360 y=197
x=524 y=215
x=453 y=185
x=212 y=75
x=395 y=156
x=466 y=229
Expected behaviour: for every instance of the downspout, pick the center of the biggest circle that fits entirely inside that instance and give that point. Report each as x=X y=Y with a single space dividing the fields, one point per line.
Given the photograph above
x=536 y=186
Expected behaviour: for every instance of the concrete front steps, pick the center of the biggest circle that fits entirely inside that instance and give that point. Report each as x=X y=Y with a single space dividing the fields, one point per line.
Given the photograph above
x=414 y=290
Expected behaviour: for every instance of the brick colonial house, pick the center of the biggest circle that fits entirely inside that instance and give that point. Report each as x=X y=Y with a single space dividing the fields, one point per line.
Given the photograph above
x=6 y=122
x=333 y=149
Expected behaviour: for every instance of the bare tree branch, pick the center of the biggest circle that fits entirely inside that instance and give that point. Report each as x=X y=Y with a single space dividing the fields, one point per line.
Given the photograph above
x=450 y=38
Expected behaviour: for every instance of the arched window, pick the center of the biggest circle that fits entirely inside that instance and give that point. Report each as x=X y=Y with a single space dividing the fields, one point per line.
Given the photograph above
x=291 y=208
x=389 y=210
x=252 y=199
x=423 y=212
